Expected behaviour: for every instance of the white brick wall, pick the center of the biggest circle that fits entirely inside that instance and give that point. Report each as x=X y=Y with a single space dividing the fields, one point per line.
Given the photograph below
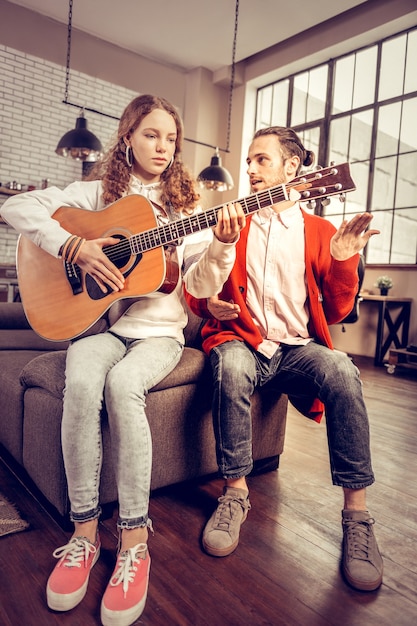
x=33 y=119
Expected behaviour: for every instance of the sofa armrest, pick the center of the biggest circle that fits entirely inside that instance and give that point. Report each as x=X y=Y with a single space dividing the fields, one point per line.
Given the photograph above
x=16 y=333
x=12 y=316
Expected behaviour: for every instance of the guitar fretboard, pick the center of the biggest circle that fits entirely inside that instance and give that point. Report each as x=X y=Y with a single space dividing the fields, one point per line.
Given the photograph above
x=173 y=231
x=313 y=185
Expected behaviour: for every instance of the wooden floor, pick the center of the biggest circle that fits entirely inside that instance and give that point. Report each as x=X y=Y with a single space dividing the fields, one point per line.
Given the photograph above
x=286 y=568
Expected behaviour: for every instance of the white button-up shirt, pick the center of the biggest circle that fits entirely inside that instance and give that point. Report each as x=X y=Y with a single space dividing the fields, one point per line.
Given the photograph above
x=277 y=290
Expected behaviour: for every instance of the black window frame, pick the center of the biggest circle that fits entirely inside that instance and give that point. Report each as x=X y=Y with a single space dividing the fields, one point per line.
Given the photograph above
x=324 y=126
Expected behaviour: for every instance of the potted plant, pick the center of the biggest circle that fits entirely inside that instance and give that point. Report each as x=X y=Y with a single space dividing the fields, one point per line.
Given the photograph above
x=384 y=283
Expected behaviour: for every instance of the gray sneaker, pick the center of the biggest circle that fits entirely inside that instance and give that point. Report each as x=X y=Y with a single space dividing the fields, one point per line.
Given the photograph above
x=361 y=562
x=221 y=534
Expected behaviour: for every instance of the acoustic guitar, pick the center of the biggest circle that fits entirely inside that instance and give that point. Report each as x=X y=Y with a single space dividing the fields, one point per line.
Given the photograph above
x=62 y=302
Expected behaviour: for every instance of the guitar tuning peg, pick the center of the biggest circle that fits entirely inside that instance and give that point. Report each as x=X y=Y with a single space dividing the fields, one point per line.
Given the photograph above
x=318 y=167
x=311 y=205
x=325 y=201
x=342 y=197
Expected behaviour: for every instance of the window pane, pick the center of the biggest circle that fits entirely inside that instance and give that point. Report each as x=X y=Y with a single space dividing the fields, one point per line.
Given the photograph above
x=350 y=137
x=280 y=104
x=404 y=237
x=406 y=195
x=410 y=68
x=332 y=208
x=378 y=247
x=339 y=139
x=388 y=129
x=392 y=67
x=317 y=94
x=352 y=201
x=309 y=97
x=264 y=101
x=299 y=104
x=361 y=136
x=356 y=200
x=335 y=220
x=343 y=84
x=384 y=183
x=408 y=136
x=365 y=76
x=310 y=139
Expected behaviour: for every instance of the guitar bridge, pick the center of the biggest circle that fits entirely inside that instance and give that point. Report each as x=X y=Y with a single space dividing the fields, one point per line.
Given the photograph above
x=73 y=274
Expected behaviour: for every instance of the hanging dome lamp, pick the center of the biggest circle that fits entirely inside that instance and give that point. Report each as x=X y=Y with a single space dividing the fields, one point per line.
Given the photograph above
x=80 y=143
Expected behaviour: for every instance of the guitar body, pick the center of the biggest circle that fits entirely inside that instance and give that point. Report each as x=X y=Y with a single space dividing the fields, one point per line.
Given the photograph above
x=52 y=308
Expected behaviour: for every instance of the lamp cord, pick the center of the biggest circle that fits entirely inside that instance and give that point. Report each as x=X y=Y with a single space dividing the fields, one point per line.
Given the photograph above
x=67 y=75
x=232 y=77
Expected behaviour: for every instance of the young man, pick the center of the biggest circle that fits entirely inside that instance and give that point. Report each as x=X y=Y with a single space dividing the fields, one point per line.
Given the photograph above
x=294 y=275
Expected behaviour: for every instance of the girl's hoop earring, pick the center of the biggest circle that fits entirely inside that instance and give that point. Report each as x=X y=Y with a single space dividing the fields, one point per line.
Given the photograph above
x=170 y=163
x=129 y=159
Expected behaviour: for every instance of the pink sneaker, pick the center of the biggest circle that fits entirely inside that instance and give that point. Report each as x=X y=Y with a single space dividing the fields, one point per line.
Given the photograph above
x=67 y=584
x=125 y=595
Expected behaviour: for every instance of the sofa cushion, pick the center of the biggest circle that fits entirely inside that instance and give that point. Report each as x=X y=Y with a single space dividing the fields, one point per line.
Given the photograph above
x=47 y=371
x=189 y=370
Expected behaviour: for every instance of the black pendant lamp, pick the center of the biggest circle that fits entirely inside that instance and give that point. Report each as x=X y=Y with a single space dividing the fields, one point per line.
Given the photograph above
x=80 y=143
x=216 y=177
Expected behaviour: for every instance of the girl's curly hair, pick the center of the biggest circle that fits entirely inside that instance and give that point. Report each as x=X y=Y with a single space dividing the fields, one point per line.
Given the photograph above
x=178 y=186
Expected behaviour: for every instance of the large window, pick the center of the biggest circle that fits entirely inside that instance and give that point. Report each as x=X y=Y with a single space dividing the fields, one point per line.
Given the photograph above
x=361 y=108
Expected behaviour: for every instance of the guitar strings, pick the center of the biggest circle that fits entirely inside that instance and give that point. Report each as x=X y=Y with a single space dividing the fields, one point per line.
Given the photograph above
x=168 y=233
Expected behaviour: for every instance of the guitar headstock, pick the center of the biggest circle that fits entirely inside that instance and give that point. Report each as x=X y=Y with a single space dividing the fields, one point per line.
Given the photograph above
x=322 y=183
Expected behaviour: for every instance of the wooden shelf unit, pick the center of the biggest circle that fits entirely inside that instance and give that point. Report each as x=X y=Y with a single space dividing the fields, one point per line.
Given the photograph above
x=5 y=191
x=9 y=192
x=401 y=357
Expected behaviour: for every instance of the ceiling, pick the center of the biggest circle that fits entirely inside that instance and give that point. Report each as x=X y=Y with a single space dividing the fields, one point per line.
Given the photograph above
x=191 y=33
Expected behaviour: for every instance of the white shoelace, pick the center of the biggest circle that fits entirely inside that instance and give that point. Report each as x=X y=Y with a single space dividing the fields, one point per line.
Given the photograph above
x=75 y=551
x=126 y=566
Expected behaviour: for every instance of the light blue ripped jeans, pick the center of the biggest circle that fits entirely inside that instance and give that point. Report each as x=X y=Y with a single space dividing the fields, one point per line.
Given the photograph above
x=119 y=372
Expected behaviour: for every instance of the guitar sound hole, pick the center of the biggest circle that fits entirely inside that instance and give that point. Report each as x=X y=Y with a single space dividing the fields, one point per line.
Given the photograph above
x=125 y=262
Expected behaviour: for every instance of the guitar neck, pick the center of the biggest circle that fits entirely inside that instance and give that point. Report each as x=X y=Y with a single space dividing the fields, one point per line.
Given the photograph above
x=325 y=182
x=173 y=231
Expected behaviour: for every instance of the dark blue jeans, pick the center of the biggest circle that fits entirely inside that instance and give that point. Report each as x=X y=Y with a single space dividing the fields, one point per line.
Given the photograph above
x=304 y=373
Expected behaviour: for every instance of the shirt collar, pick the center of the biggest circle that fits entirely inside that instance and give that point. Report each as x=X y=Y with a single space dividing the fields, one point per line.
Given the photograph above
x=139 y=187
x=290 y=216
x=287 y=218
x=151 y=192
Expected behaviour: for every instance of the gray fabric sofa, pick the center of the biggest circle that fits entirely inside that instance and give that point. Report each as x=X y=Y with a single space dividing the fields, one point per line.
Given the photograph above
x=178 y=409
